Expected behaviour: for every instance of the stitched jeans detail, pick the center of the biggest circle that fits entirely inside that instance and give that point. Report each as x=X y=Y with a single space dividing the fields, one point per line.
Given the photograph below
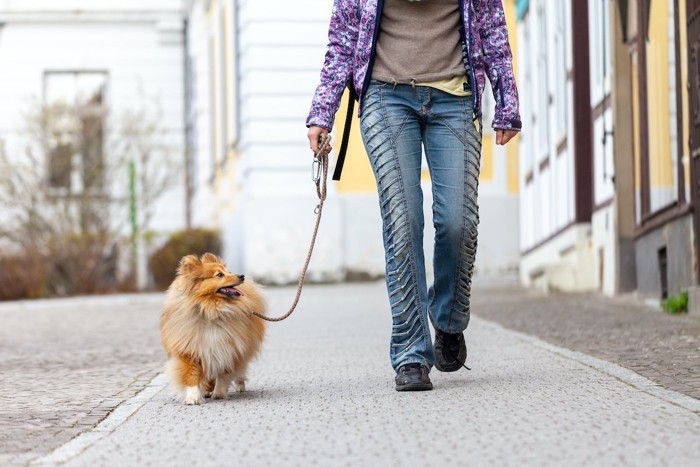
x=398 y=123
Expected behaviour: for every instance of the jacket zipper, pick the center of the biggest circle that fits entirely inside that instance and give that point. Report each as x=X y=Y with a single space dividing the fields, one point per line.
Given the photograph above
x=375 y=35
x=466 y=17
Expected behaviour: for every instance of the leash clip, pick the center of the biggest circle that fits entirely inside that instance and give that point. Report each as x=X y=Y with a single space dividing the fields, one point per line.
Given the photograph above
x=316 y=170
x=316 y=165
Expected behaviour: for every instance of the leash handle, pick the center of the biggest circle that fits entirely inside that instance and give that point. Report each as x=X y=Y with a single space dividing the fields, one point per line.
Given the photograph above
x=319 y=171
x=346 y=136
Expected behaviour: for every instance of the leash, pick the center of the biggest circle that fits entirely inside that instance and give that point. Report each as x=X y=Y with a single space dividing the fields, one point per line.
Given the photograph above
x=319 y=174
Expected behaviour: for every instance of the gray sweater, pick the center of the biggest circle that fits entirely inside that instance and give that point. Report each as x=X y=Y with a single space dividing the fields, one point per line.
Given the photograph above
x=418 y=41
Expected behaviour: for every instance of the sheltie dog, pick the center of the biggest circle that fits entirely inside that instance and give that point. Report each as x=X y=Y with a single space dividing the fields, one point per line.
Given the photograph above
x=207 y=329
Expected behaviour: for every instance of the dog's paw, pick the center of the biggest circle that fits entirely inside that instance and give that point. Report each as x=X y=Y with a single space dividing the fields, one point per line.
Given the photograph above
x=239 y=386
x=207 y=394
x=219 y=395
x=193 y=396
x=192 y=400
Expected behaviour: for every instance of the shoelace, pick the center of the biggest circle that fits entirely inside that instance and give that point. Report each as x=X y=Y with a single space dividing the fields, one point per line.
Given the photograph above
x=451 y=344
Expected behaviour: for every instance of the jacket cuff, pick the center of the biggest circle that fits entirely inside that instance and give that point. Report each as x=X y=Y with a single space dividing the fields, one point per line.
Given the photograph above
x=319 y=122
x=507 y=124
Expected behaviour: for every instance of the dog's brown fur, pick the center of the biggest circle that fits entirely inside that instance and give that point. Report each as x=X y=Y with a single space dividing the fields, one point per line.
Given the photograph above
x=210 y=337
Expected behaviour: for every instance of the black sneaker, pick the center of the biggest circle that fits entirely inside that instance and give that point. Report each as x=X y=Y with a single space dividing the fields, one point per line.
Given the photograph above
x=413 y=377
x=450 y=351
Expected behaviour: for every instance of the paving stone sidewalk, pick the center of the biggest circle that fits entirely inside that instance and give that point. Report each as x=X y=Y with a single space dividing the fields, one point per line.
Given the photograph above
x=664 y=348
x=322 y=393
x=66 y=364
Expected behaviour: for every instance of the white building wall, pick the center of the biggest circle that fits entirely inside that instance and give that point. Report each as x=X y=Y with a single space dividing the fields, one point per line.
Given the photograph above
x=140 y=48
x=498 y=251
x=268 y=228
x=556 y=254
x=204 y=199
x=546 y=162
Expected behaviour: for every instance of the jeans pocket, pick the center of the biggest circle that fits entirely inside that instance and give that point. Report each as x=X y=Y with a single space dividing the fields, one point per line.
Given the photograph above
x=372 y=93
x=371 y=104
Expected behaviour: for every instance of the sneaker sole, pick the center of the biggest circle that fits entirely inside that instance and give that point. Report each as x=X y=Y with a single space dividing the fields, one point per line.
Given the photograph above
x=415 y=387
x=451 y=367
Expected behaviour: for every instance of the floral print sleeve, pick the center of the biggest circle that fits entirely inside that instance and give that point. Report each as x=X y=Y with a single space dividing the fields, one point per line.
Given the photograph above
x=491 y=24
x=338 y=64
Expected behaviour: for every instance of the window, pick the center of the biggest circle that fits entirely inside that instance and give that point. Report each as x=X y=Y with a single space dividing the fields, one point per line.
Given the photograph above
x=599 y=23
x=527 y=138
x=212 y=107
x=661 y=95
x=191 y=129
x=74 y=128
x=223 y=97
x=488 y=106
x=656 y=114
x=673 y=112
x=236 y=63
x=560 y=100
x=637 y=135
x=542 y=85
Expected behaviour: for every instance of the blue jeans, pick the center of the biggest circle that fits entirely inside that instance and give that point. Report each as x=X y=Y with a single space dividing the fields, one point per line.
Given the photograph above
x=396 y=123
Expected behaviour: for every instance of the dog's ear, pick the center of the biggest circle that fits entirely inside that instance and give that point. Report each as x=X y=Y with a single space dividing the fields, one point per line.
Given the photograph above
x=210 y=258
x=188 y=264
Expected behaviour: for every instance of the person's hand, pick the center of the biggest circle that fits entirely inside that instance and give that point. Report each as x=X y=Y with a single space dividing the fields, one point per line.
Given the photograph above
x=503 y=136
x=315 y=134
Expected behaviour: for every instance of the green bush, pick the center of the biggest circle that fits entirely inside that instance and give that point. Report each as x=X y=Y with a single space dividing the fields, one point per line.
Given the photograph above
x=163 y=262
x=676 y=304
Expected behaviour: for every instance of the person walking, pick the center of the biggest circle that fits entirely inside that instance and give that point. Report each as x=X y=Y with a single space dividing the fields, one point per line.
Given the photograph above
x=418 y=69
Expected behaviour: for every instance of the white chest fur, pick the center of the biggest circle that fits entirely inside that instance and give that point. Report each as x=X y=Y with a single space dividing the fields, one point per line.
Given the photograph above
x=217 y=347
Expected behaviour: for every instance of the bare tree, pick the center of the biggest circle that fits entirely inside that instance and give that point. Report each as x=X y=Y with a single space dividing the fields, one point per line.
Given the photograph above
x=64 y=196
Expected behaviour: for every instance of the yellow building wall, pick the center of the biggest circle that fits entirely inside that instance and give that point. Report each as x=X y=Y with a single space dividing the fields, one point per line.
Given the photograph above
x=488 y=142
x=357 y=173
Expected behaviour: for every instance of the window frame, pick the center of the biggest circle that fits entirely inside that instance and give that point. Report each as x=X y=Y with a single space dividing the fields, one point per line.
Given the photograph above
x=76 y=169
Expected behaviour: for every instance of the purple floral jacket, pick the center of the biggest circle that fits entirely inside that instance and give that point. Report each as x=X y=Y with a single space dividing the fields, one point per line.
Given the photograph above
x=353 y=36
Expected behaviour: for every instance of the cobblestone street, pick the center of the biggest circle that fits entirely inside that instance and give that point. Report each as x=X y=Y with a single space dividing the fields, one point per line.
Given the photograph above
x=65 y=364
x=663 y=348
x=322 y=392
